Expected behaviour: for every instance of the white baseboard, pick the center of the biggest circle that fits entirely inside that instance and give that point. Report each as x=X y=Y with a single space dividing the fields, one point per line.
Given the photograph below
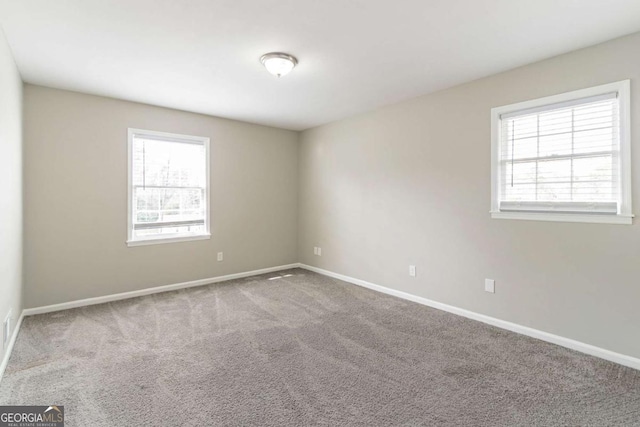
x=621 y=359
x=149 y=291
x=126 y=295
x=12 y=341
x=589 y=349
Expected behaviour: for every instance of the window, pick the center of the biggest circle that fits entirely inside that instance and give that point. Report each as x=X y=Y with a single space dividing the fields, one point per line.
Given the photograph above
x=564 y=157
x=168 y=187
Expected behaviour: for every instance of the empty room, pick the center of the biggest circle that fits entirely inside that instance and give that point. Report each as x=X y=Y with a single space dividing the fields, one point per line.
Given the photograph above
x=304 y=212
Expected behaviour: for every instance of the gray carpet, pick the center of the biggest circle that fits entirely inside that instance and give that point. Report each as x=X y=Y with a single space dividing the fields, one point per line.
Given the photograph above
x=303 y=350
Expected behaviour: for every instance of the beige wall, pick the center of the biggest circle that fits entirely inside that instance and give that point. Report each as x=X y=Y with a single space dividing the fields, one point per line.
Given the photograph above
x=410 y=184
x=407 y=184
x=10 y=188
x=76 y=198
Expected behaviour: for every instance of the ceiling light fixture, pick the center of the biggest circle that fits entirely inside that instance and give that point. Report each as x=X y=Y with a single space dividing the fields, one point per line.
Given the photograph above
x=278 y=63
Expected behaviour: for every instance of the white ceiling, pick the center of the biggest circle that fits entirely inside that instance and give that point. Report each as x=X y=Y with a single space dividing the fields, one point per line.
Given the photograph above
x=355 y=55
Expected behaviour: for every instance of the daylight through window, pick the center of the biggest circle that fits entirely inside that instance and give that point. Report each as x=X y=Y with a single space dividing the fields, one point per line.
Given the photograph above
x=567 y=157
x=168 y=187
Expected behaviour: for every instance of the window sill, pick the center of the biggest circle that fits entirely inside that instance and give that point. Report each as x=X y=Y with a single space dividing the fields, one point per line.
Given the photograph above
x=565 y=217
x=161 y=240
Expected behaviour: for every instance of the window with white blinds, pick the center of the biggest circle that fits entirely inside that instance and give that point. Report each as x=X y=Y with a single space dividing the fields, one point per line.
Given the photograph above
x=168 y=187
x=564 y=157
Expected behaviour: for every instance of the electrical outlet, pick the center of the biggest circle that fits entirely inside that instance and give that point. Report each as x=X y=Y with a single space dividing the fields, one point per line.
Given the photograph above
x=490 y=285
x=315 y=250
x=319 y=251
x=6 y=330
x=412 y=270
x=220 y=256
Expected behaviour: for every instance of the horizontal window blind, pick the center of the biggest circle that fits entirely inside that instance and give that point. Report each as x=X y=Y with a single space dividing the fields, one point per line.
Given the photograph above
x=561 y=158
x=168 y=178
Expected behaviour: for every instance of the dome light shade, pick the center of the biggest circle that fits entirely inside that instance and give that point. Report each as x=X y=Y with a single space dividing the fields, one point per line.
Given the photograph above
x=278 y=64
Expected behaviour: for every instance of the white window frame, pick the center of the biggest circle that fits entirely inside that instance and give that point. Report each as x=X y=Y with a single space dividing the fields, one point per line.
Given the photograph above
x=184 y=237
x=624 y=215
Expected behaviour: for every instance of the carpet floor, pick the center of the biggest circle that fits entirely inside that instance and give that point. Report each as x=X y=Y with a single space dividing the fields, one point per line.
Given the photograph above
x=296 y=348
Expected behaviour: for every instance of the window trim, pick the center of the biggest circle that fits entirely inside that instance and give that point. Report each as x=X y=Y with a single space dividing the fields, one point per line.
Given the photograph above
x=625 y=214
x=178 y=237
